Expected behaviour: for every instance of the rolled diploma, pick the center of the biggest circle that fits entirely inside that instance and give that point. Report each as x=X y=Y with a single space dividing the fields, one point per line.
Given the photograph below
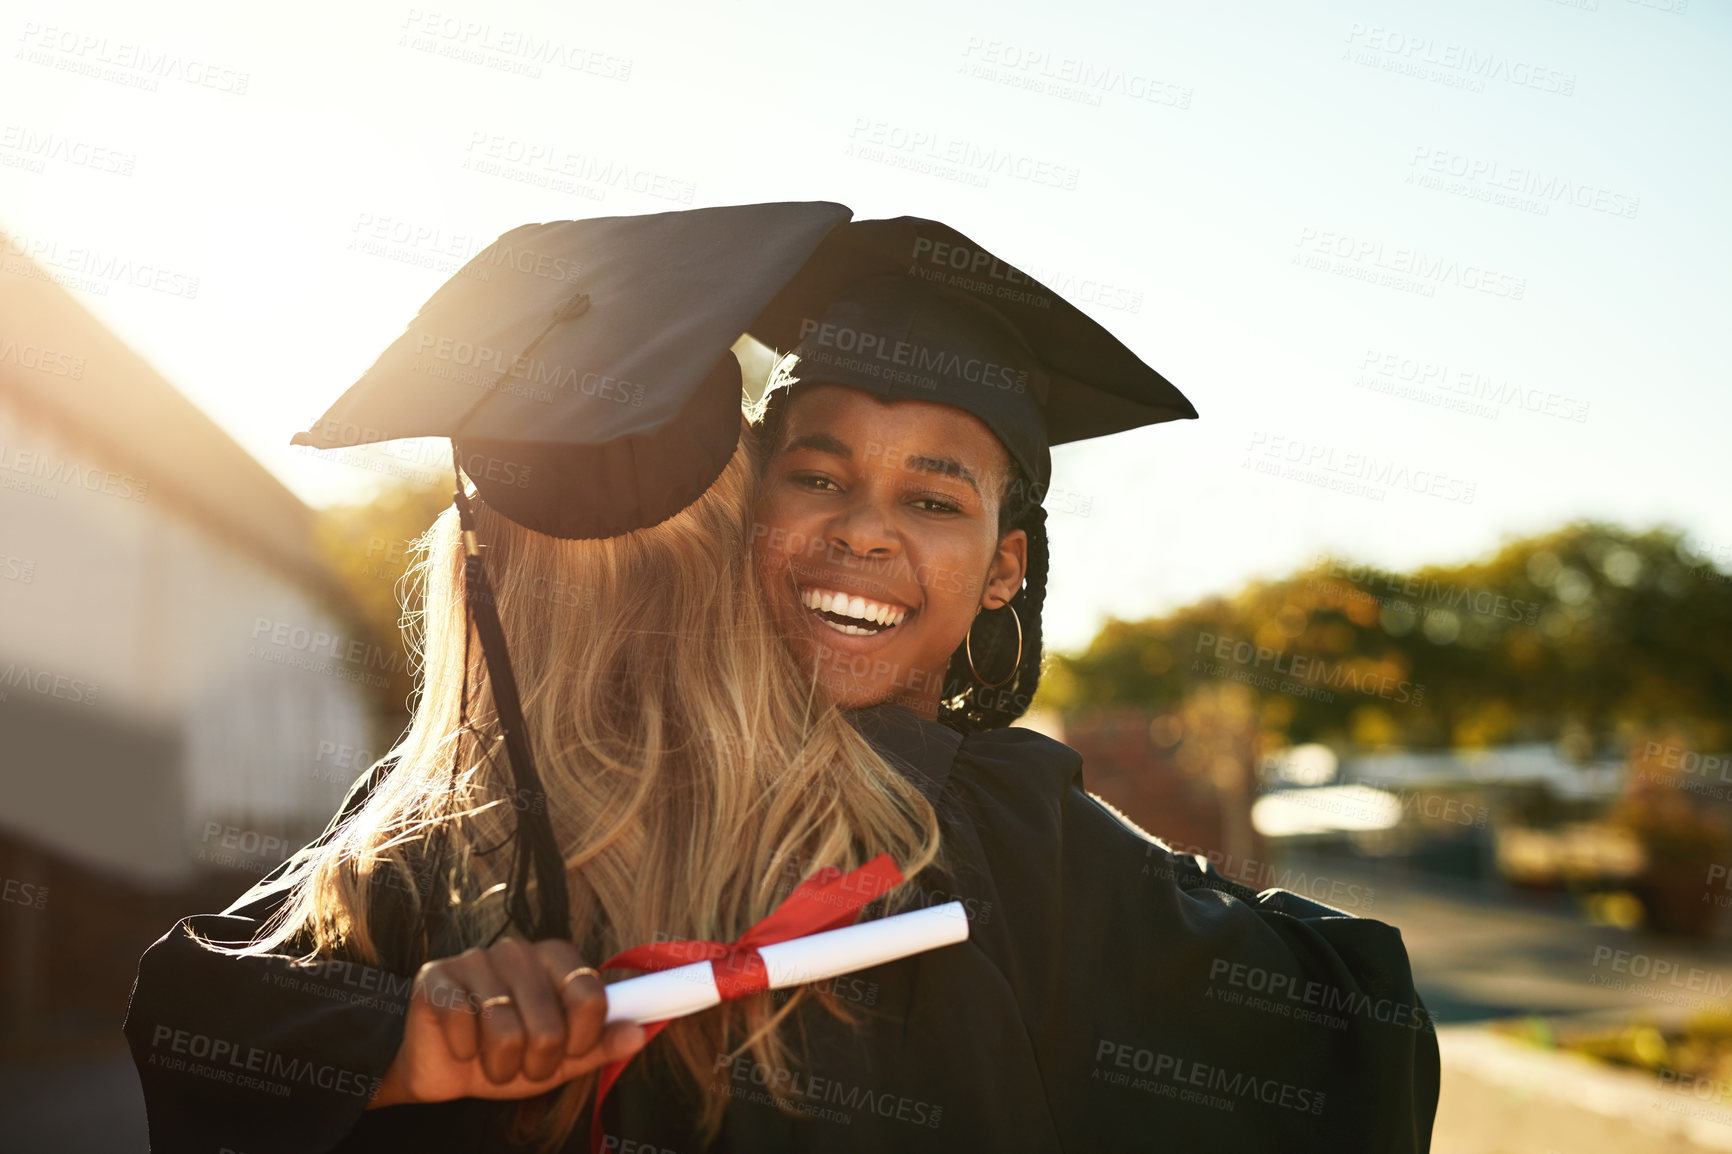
x=688 y=989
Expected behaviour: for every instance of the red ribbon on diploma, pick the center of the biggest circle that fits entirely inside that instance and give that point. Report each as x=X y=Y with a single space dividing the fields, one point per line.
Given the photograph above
x=828 y=900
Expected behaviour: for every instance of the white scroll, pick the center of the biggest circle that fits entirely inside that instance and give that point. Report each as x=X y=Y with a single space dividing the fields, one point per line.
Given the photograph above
x=814 y=958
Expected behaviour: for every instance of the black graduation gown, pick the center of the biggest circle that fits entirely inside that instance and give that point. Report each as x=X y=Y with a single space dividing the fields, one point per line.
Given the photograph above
x=1112 y=995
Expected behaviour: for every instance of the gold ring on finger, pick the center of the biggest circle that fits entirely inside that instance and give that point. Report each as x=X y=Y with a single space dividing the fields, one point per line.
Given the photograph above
x=496 y=1000
x=578 y=973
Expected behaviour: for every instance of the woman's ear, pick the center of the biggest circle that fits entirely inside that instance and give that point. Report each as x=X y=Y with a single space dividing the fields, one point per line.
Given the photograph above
x=1009 y=563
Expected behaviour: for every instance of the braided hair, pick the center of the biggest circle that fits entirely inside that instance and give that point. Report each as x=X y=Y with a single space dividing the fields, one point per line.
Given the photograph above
x=966 y=702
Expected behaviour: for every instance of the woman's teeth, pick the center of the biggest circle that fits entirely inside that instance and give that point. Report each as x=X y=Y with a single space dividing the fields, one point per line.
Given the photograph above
x=874 y=614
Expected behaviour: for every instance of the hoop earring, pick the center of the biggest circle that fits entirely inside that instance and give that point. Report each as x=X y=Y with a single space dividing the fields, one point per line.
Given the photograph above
x=968 y=651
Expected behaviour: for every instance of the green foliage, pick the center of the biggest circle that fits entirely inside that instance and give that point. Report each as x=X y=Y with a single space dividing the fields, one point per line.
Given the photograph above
x=1699 y=1052
x=369 y=547
x=1592 y=635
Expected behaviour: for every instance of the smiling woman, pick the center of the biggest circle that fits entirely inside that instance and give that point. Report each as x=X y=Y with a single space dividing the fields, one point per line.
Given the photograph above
x=887 y=539
x=901 y=543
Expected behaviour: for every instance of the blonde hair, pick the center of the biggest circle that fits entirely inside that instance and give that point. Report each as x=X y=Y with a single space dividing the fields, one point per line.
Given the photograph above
x=692 y=777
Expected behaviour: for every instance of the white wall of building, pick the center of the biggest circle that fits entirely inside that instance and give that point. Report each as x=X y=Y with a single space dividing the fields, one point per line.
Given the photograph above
x=118 y=608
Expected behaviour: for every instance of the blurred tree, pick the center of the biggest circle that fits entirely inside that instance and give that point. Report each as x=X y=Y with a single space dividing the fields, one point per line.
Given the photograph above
x=1591 y=635
x=369 y=546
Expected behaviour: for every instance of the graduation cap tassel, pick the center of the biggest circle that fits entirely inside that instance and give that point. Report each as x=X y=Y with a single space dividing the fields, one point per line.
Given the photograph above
x=537 y=847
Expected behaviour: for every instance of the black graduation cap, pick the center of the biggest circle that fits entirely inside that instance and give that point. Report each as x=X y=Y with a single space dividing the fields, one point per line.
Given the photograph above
x=583 y=372
x=583 y=368
x=910 y=308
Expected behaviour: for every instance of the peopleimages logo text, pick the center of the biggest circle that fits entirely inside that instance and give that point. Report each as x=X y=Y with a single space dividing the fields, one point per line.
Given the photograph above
x=920 y=358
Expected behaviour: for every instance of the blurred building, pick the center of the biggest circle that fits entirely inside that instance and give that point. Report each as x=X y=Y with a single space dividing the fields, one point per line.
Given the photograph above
x=1193 y=790
x=1535 y=764
x=178 y=694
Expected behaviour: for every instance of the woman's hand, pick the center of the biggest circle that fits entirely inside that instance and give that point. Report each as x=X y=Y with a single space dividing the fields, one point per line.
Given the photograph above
x=463 y=1040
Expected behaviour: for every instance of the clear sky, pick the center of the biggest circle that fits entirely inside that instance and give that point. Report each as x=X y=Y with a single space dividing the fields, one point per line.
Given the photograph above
x=1432 y=274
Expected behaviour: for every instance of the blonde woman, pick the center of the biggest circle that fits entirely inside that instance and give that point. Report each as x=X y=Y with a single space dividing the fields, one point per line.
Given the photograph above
x=692 y=780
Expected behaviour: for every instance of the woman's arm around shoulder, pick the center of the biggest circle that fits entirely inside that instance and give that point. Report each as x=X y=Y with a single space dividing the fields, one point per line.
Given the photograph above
x=1150 y=981
x=256 y=1052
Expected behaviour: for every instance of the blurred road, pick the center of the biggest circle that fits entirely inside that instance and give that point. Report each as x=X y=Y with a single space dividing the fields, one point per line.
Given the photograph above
x=1477 y=957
